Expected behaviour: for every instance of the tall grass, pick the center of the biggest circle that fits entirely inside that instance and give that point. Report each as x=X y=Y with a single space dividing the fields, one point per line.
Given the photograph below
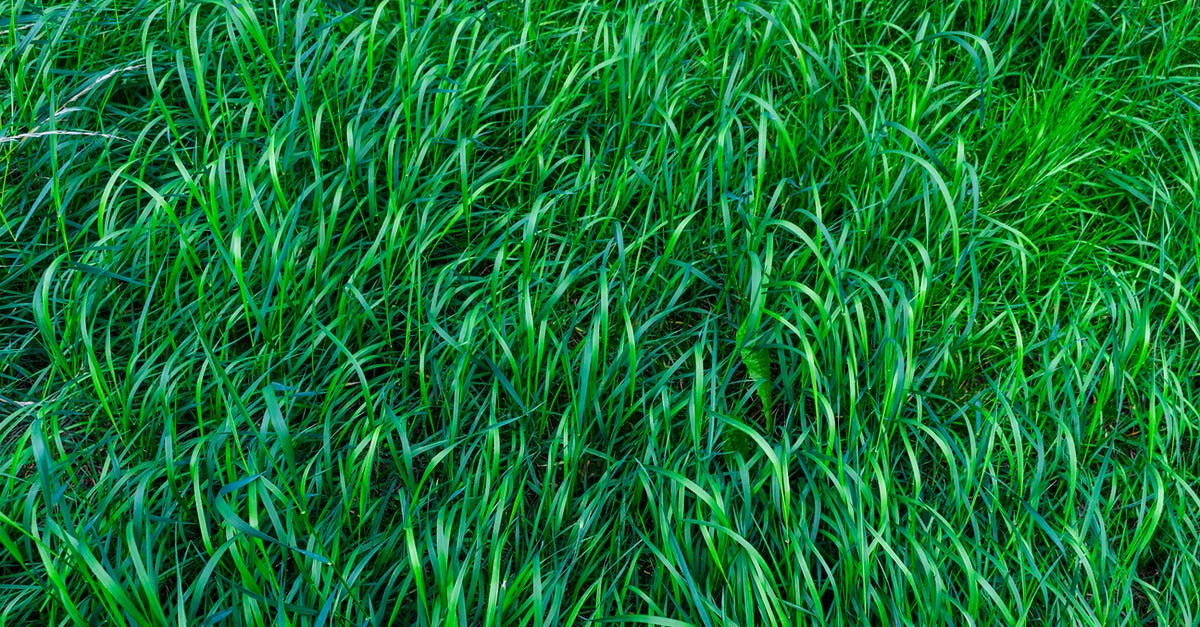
x=679 y=312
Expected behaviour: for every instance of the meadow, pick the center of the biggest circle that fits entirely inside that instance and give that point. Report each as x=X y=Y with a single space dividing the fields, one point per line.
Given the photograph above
x=576 y=312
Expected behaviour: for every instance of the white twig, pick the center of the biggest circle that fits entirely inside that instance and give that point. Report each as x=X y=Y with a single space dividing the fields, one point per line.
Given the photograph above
x=67 y=108
x=35 y=134
x=83 y=92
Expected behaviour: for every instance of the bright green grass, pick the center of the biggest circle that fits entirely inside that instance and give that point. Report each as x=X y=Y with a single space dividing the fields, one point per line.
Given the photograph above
x=681 y=312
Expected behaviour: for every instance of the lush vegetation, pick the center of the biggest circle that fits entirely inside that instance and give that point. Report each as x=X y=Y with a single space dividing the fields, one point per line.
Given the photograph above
x=681 y=312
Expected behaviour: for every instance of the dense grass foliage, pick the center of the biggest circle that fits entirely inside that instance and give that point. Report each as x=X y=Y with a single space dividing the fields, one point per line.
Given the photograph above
x=680 y=312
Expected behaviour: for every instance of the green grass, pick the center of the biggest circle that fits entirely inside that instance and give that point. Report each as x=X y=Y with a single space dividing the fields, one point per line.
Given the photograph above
x=681 y=312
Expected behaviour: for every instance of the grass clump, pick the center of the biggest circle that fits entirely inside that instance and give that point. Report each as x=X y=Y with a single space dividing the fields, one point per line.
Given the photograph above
x=703 y=313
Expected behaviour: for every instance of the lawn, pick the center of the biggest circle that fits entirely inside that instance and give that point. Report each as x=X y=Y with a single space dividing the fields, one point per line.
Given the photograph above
x=579 y=312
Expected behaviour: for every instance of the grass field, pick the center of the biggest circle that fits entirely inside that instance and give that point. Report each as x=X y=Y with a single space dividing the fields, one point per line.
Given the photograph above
x=677 y=312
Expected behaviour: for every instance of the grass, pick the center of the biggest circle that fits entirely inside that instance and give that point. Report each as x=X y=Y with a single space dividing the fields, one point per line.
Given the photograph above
x=678 y=312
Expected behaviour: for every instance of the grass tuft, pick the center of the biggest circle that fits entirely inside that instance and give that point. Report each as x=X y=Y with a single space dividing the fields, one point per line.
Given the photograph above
x=668 y=313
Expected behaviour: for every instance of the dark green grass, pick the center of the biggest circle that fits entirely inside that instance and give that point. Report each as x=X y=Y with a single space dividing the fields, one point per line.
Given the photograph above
x=671 y=313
